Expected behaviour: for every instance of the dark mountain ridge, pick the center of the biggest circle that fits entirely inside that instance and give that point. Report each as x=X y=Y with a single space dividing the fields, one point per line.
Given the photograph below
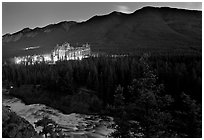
x=147 y=28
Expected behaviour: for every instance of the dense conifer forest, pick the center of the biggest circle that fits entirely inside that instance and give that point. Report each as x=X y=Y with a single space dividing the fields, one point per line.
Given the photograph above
x=148 y=95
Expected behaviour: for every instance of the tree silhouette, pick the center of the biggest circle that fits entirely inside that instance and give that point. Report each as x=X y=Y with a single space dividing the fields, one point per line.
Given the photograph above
x=49 y=127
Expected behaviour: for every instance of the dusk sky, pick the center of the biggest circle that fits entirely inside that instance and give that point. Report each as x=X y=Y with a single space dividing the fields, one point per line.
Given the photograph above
x=16 y=16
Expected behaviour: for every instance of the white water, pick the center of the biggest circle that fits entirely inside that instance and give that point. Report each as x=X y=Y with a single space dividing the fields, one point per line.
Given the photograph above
x=74 y=125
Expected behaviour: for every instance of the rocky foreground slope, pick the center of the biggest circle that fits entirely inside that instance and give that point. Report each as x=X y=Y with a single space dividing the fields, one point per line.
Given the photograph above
x=14 y=126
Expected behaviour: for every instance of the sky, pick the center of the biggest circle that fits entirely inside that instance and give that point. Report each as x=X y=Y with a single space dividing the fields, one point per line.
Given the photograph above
x=19 y=15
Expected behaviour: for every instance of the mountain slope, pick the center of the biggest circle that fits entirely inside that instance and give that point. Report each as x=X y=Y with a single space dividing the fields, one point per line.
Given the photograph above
x=147 y=28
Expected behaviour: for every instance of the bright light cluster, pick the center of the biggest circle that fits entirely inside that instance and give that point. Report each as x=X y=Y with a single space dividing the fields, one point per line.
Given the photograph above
x=59 y=53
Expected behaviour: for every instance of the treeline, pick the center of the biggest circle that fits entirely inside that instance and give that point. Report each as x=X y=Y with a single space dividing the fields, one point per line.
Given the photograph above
x=104 y=74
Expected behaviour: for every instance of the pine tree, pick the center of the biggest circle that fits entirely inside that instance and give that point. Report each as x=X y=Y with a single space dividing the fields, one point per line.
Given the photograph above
x=146 y=106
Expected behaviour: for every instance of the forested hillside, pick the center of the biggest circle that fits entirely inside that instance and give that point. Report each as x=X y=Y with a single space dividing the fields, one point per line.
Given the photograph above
x=168 y=87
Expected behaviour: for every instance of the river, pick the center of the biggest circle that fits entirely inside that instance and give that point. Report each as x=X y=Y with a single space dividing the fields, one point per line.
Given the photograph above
x=73 y=125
